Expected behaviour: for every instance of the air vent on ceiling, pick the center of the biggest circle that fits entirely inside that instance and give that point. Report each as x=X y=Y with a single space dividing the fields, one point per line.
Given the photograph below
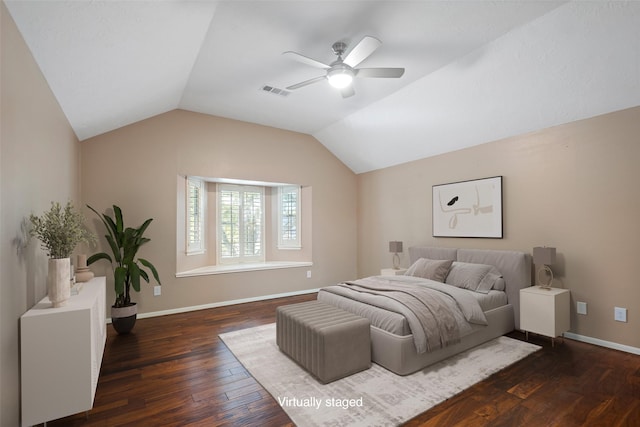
x=275 y=90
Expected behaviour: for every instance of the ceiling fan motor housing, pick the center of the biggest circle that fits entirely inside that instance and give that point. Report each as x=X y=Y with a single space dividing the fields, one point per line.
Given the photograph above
x=339 y=48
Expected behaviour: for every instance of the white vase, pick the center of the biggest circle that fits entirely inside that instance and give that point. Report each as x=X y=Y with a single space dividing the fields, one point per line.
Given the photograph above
x=58 y=281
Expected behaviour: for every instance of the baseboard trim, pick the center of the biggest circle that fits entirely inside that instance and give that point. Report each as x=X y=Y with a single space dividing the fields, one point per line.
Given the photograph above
x=221 y=304
x=603 y=343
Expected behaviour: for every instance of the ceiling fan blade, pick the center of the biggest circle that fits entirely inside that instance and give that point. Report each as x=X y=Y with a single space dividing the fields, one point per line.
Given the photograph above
x=305 y=59
x=362 y=50
x=380 y=72
x=306 y=82
x=347 y=91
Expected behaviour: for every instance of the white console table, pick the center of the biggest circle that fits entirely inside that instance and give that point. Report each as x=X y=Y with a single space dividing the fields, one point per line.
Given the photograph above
x=61 y=354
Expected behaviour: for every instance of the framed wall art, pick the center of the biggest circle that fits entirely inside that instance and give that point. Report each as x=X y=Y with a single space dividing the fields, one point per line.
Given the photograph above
x=468 y=208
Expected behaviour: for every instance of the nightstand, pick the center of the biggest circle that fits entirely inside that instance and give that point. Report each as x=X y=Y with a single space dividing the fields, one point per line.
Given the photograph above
x=544 y=311
x=392 y=271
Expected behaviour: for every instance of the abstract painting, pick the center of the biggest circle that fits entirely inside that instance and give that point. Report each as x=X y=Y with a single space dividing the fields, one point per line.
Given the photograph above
x=468 y=208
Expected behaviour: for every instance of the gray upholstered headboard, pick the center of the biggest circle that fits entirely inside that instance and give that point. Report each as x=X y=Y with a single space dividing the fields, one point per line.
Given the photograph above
x=515 y=267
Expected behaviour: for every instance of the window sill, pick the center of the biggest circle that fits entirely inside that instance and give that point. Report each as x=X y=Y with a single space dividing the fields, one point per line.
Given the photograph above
x=239 y=268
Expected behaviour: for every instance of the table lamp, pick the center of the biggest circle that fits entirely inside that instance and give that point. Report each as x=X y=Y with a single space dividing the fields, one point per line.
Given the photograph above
x=395 y=248
x=544 y=257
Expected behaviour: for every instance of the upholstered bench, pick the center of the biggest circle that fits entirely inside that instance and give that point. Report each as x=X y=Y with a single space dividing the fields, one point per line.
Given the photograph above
x=328 y=342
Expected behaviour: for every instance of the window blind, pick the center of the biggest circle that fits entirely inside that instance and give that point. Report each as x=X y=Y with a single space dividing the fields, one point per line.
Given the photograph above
x=240 y=223
x=289 y=217
x=195 y=215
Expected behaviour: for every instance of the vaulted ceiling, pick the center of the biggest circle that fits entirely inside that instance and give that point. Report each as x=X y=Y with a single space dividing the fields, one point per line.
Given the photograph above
x=476 y=71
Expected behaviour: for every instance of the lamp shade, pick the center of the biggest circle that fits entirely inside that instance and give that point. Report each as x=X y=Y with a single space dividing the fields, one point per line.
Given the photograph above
x=544 y=255
x=395 y=247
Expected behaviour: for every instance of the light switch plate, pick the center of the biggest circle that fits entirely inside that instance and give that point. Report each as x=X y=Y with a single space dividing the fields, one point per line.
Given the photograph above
x=620 y=314
x=581 y=307
x=157 y=291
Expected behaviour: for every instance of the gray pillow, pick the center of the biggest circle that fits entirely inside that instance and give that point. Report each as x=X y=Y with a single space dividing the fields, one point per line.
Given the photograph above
x=499 y=284
x=475 y=277
x=430 y=269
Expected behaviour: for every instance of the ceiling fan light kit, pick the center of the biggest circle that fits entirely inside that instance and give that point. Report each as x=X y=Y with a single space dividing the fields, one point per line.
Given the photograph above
x=340 y=77
x=342 y=72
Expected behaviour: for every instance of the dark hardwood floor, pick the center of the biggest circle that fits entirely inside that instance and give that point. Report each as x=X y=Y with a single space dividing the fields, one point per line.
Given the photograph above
x=175 y=371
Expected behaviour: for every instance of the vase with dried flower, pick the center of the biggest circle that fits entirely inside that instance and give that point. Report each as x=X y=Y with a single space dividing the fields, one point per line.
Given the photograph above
x=60 y=230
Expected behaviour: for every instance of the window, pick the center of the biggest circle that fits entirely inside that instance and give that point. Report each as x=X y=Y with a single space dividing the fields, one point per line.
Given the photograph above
x=241 y=222
x=195 y=216
x=244 y=226
x=289 y=217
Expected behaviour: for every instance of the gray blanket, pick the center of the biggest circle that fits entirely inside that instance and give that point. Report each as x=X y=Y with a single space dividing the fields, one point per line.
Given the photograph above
x=436 y=312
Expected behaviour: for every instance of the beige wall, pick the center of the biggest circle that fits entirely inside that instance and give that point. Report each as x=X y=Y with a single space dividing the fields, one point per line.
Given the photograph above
x=572 y=186
x=39 y=164
x=136 y=167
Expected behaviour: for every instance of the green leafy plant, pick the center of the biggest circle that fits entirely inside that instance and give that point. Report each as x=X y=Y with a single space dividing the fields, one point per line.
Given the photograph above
x=124 y=244
x=60 y=230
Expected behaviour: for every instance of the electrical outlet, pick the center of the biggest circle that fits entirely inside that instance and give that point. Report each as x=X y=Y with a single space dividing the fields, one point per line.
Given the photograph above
x=308 y=274
x=620 y=314
x=157 y=291
x=581 y=307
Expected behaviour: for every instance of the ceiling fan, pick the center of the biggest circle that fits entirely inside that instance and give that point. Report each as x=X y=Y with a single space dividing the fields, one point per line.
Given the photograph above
x=341 y=72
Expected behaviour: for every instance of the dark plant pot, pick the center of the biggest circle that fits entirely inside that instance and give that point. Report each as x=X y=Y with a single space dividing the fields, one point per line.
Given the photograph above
x=124 y=318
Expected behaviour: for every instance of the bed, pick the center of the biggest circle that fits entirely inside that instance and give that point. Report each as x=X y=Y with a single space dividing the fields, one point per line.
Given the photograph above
x=393 y=343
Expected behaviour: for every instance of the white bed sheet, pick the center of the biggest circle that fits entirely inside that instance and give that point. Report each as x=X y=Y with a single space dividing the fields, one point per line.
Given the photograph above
x=493 y=299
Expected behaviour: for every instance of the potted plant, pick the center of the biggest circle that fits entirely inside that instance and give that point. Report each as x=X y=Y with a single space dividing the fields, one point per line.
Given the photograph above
x=127 y=269
x=60 y=231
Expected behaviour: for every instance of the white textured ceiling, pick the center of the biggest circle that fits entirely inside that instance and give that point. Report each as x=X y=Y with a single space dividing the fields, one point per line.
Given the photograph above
x=476 y=71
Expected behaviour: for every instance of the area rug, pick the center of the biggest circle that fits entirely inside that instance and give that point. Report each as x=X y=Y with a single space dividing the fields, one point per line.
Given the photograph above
x=375 y=397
